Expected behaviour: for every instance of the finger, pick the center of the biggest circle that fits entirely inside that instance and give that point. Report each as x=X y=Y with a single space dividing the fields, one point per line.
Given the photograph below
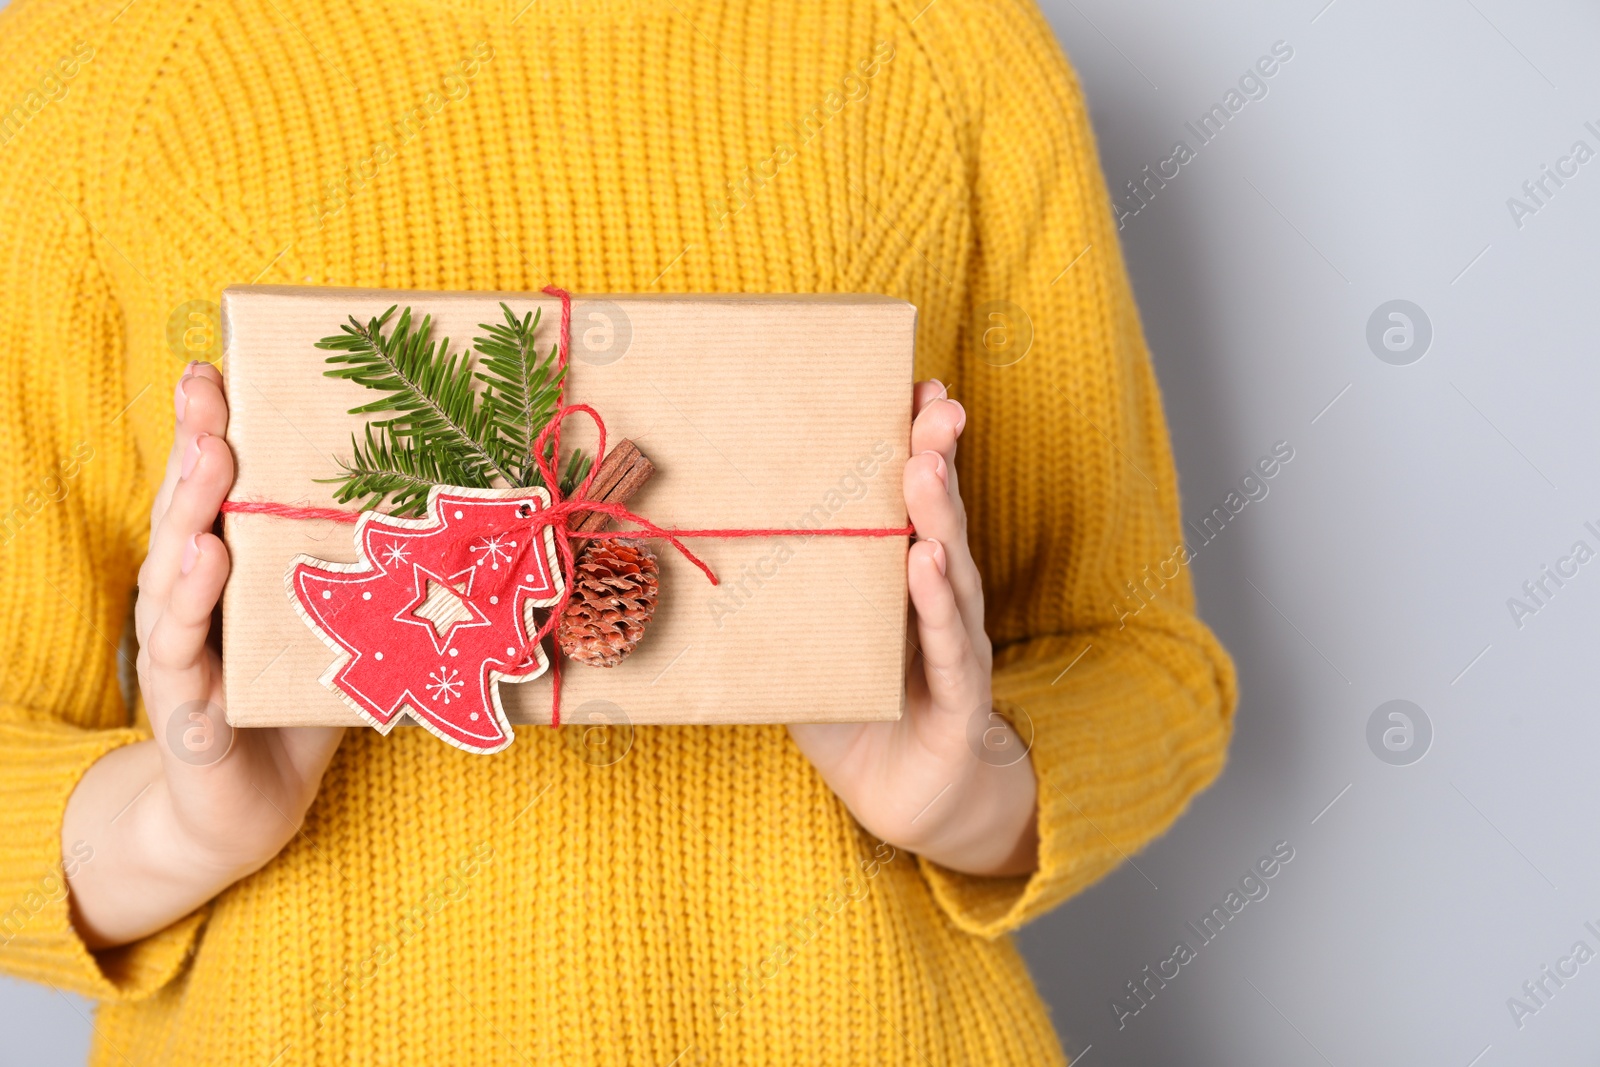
x=177 y=641
x=205 y=473
x=310 y=748
x=937 y=426
x=924 y=393
x=936 y=513
x=176 y=667
x=199 y=406
x=935 y=430
x=954 y=675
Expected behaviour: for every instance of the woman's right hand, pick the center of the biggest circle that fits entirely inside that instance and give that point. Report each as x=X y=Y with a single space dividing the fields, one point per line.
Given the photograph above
x=174 y=820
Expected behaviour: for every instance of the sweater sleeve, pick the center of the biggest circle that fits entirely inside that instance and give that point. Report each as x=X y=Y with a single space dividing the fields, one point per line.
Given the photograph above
x=67 y=555
x=1071 y=494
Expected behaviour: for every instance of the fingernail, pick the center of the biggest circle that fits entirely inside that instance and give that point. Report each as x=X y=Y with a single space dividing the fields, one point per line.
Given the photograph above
x=938 y=554
x=191 y=553
x=961 y=422
x=191 y=456
x=180 y=399
x=939 y=468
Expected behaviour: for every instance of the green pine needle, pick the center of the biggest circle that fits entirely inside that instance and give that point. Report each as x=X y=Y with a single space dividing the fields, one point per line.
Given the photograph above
x=442 y=431
x=522 y=389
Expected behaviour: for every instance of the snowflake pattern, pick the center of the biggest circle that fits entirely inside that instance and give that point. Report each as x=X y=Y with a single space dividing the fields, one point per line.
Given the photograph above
x=494 y=548
x=445 y=683
x=394 y=554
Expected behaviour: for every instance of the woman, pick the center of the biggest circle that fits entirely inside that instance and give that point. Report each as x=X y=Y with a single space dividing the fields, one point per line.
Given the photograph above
x=827 y=894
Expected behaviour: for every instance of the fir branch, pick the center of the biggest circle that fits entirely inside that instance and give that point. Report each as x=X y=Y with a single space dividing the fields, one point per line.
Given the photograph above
x=443 y=432
x=429 y=388
x=385 y=469
x=522 y=388
x=577 y=468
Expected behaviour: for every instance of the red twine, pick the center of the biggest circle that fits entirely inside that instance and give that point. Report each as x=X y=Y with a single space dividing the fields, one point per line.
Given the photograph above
x=558 y=515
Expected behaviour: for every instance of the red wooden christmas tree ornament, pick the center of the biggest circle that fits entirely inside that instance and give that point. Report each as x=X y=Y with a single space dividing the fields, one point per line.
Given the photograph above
x=432 y=615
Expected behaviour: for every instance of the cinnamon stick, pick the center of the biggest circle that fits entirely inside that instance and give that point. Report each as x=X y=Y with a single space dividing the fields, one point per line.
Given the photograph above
x=623 y=471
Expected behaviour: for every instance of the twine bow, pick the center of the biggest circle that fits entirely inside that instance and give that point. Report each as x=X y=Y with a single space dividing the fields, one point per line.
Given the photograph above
x=558 y=515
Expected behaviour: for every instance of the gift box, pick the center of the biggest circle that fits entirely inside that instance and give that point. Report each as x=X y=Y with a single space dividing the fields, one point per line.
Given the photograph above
x=781 y=421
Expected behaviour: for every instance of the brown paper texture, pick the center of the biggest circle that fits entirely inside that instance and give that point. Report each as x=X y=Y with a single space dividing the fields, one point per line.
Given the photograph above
x=757 y=411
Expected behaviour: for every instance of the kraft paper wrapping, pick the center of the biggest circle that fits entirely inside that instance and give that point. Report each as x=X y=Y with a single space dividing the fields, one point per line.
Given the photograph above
x=757 y=411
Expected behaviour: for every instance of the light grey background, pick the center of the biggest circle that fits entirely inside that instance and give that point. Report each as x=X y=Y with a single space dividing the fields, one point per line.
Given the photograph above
x=1377 y=167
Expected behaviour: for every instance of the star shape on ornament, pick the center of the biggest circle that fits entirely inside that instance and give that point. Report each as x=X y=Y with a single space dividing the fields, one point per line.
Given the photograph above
x=418 y=626
x=442 y=606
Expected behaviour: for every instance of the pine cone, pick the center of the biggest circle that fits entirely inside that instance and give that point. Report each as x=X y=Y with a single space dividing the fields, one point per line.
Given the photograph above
x=614 y=594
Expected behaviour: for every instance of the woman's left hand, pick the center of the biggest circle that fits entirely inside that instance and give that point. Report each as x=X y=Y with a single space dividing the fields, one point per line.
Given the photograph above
x=923 y=783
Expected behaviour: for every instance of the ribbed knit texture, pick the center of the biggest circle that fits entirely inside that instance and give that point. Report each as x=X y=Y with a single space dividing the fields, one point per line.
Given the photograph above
x=704 y=899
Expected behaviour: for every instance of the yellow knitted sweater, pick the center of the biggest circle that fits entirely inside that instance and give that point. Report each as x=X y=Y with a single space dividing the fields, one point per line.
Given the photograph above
x=707 y=899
